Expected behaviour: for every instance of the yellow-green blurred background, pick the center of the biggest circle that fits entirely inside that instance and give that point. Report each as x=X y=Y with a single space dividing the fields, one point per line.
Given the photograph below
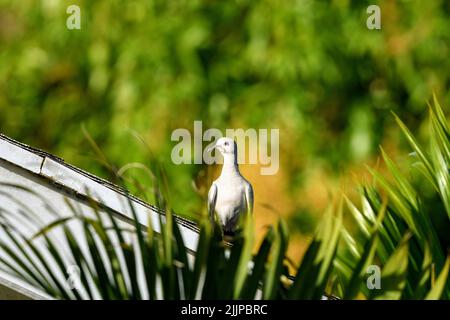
x=310 y=68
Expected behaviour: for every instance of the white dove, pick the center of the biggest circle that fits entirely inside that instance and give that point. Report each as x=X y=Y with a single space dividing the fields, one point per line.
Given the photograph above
x=231 y=194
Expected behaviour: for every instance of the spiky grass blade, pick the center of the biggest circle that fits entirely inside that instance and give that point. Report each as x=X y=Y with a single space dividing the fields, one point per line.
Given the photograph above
x=438 y=289
x=393 y=274
x=252 y=282
x=274 y=271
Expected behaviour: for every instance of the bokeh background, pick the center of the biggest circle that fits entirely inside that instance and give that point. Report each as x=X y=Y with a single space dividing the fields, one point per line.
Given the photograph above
x=310 y=68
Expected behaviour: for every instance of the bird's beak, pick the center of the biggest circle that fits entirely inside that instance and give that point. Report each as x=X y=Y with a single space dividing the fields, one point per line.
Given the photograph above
x=211 y=148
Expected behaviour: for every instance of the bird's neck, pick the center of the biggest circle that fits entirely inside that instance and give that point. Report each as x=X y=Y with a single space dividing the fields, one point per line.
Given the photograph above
x=230 y=165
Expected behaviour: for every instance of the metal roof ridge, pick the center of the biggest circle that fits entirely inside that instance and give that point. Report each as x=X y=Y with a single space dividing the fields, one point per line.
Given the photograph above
x=82 y=174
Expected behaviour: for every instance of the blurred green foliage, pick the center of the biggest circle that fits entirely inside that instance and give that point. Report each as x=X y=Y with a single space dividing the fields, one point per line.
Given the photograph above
x=310 y=68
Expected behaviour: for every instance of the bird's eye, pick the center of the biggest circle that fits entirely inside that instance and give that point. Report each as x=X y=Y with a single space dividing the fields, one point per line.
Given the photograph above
x=226 y=143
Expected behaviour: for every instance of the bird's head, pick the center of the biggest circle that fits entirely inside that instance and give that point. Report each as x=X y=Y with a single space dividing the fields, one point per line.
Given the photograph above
x=225 y=145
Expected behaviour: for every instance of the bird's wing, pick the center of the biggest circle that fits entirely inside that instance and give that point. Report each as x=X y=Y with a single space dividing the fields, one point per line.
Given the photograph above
x=212 y=197
x=249 y=197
